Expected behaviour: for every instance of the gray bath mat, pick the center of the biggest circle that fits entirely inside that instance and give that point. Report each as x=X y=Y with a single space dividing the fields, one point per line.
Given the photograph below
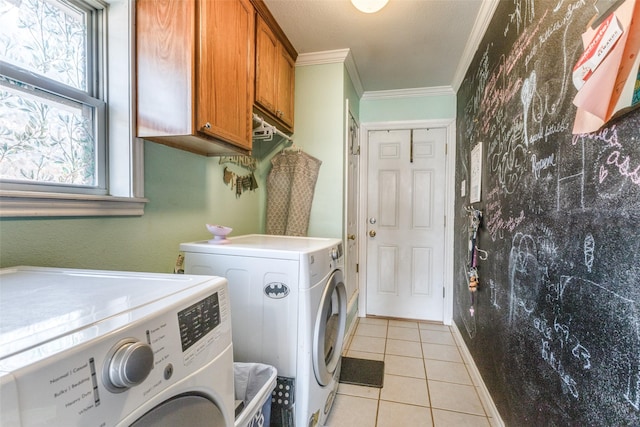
x=369 y=373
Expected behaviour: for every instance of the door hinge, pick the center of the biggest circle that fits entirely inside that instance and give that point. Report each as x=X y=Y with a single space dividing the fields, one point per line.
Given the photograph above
x=446 y=149
x=357 y=268
x=445 y=220
x=443 y=292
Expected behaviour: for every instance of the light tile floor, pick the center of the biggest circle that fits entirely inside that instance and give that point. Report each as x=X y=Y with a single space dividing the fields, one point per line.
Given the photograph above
x=426 y=382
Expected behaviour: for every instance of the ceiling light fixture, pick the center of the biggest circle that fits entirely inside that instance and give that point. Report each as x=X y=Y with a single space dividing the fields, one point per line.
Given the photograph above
x=369 y=6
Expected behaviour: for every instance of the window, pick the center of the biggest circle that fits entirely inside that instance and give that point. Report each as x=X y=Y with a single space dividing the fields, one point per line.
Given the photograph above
x=58 y=153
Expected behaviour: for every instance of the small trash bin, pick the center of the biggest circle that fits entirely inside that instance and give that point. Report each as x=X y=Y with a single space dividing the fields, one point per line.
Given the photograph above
x=254 y=383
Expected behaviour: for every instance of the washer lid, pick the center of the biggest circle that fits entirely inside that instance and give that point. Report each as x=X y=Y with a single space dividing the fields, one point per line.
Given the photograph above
x=40 y=304
x=264 y=246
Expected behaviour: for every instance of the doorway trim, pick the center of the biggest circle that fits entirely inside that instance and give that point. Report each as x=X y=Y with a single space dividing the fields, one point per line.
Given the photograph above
x=449 y=125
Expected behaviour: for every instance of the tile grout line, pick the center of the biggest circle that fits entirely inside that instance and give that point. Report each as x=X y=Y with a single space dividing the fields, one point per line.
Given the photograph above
x=426 y=376
x=384 y=358
x=468 y=367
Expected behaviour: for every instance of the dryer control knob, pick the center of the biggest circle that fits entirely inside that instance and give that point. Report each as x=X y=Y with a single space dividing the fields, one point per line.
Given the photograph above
x=130 y=364
x=335 y=254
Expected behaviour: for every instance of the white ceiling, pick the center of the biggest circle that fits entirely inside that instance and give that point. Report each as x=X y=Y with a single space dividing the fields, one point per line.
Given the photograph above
x=409 y=44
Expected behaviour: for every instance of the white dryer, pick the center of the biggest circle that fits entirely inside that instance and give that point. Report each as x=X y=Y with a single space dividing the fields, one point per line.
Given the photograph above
x=97 y=348
x=288 y=305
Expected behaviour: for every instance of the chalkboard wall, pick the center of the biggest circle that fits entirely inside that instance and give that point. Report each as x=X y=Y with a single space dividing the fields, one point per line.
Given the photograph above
x=555 y=329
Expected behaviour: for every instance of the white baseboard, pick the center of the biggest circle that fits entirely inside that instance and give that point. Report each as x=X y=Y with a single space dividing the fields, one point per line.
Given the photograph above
x=485 y=397
x=352 y=313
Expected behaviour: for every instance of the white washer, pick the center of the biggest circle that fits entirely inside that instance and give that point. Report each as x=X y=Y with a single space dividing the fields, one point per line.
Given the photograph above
x=288 y=305
x=98 y=348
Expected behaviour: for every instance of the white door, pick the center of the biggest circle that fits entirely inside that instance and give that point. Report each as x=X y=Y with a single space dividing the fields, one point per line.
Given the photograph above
x=405 y=223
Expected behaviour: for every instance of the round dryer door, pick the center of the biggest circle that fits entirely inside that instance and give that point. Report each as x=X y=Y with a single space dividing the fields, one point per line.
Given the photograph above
x=184 y=410
x=329 y=329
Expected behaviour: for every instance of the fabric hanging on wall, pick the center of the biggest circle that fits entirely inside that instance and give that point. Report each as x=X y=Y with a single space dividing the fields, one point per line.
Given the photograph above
x=290 y=187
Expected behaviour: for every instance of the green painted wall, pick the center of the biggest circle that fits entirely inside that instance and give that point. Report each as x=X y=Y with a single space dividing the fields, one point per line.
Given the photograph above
x=185 y=190
x=408 y=108
x=319 y=131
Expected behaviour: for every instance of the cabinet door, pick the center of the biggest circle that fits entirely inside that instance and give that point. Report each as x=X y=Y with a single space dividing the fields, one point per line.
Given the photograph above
x=266 y=66
x=165 y=34
x=286 y=82
x=224 y=83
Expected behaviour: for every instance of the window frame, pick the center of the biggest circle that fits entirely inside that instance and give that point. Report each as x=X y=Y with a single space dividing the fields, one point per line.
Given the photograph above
x=43 y=88
x=124 y=152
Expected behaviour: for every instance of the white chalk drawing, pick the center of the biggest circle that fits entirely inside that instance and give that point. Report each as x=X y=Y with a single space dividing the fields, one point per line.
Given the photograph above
x=612 y=168
x=538 y=166
x=511 y=138
x=524 y=275
x=558 y=6
x=563 y=320
x=526 y=95
x=589 y=248
x=582 y=335
x=523 y=14
x=632 y=395
x=573 y=181
x=545 y=100
x=494 y=295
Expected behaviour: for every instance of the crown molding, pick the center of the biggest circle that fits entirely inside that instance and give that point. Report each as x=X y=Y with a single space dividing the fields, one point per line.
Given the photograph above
x=487 y=8
x=350 y=64
x=324 y=57
x=409 y=93
x=342 y=56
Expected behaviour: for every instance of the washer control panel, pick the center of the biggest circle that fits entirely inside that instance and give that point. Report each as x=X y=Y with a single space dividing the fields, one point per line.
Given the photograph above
x=94 y=379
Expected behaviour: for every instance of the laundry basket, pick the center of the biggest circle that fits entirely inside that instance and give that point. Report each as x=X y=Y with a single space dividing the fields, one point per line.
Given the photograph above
x=254 y=383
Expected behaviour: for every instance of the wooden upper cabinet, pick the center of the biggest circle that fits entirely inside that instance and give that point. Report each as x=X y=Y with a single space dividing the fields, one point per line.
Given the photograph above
x=195 y=74
x=286 y=87
x=275 y=75
x=266 y=66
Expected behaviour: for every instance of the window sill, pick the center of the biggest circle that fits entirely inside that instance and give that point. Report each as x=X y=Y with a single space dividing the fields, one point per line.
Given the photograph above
x=15 y=204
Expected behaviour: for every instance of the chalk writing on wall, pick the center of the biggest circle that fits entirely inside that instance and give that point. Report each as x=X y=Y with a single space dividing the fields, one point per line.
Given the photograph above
x=557 y=318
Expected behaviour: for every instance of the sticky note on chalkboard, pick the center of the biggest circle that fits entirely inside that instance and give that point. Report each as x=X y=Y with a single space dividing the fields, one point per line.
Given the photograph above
x=604 y=39
x=610 y=91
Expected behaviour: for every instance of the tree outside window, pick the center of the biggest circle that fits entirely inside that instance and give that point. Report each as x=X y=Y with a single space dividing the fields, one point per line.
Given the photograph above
x=51 y=111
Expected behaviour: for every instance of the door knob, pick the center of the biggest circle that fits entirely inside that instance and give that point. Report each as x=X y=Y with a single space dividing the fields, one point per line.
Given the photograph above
x=351 y=236
x=372 y=233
